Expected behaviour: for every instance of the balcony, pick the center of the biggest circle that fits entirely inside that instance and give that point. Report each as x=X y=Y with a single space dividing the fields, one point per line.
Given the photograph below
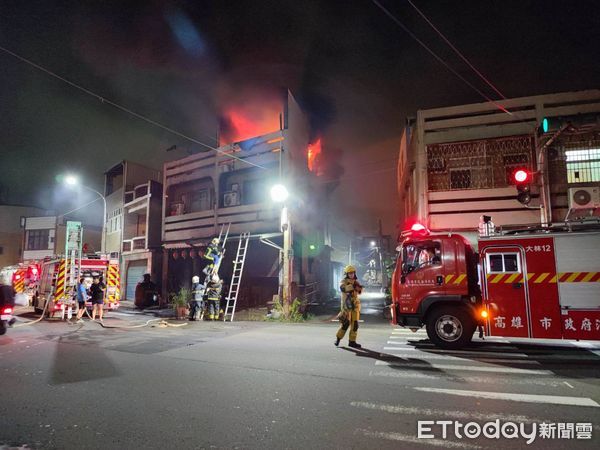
x=137 y=243
x=138 y=193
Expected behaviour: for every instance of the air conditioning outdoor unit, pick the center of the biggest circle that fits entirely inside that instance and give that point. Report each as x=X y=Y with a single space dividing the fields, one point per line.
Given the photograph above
x=587 y=197
x=231 y=198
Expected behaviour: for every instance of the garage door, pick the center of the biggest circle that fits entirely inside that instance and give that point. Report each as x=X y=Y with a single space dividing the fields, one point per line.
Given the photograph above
x=135 y=274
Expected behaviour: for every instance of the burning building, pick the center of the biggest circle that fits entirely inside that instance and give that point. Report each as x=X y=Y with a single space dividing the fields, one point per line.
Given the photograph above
x=230 y=186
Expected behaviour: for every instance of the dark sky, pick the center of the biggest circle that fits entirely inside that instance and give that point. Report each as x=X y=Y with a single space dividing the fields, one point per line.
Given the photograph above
x=356 y=73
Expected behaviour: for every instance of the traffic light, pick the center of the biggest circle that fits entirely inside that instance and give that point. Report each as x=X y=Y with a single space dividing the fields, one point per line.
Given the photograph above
x=543 y=127
x=522 y=179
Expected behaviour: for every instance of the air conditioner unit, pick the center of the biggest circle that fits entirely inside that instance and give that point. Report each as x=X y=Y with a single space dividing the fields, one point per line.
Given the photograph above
x=587 y=197
x=231 y=198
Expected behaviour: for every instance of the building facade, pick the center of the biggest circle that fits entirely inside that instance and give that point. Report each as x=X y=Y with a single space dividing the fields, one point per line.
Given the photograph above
x=11 y=232
x=230 y=187
x=457 y=163
x=133 y=218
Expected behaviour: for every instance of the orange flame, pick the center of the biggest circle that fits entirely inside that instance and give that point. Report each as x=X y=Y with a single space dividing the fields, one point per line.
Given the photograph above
x=313 y=155
x=255 y=118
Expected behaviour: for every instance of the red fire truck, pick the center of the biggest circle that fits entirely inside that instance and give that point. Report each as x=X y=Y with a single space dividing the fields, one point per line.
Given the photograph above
x=57 y=283
x=537 y=282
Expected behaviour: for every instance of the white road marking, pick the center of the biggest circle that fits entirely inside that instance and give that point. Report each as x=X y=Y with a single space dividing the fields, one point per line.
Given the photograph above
x=466 y=352
x=424 y=356
x=530 y=398
x=469 y=379
x=456 y=415
x=568 y=384
x=402 y=344
x=493 y=369
x=414 y=440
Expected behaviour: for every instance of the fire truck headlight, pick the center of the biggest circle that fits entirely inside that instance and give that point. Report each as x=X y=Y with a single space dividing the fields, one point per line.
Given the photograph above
x=484 y=314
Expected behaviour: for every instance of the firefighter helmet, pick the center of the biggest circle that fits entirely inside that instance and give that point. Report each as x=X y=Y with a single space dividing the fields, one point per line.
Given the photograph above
x=349 y=269
x=215 y=278
x=215 y=241
x=195 y=279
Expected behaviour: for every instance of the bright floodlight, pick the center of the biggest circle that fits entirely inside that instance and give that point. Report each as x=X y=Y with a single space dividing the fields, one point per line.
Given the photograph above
x=279 y=193
x=71 y=180
x=373 y=243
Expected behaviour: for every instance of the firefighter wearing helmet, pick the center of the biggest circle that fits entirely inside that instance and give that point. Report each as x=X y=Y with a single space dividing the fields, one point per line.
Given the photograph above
x=196 y=304
x=350 y=307
x=213 y=254
x=213 y=297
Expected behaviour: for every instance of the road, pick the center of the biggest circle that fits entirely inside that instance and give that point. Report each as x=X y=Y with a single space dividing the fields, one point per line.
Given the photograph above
x=274 y=385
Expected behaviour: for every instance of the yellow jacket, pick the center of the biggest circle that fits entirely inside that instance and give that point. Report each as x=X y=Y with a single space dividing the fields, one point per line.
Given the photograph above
x=350 y=289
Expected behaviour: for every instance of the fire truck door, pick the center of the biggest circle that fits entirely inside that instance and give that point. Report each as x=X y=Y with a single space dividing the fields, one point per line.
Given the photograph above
x=506 y=292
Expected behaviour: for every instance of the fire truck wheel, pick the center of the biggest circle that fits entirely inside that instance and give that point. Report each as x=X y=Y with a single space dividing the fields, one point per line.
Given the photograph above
x=450 y=327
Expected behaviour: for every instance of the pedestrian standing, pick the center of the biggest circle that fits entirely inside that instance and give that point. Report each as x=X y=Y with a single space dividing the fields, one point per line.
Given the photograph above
x=97 y=291
x=350 y=307
x=82 y=297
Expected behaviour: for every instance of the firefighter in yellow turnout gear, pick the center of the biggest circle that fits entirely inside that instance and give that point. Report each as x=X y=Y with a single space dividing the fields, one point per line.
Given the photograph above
x=350 y=307
x=213 y=297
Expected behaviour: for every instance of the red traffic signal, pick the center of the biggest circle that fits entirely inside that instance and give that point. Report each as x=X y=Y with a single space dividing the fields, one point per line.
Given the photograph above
x=522 y=176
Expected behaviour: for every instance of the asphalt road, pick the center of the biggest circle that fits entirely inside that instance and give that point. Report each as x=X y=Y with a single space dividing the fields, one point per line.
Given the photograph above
x=273 y=385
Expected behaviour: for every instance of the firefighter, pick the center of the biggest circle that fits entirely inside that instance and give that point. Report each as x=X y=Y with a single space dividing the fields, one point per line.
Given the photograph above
x=213 y=255
x=213 y=296
x=350 y=307
x=196 y=304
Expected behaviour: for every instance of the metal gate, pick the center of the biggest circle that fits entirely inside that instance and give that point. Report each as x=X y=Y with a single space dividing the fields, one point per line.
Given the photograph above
x=135 y=273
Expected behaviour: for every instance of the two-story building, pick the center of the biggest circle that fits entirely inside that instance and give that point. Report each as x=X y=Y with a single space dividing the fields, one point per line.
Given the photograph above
x=457 y=163
x=12 y=222
x=133 y=219
x=231 y=185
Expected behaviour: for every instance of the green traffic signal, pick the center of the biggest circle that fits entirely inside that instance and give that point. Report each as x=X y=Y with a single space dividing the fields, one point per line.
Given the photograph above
x=312 y=247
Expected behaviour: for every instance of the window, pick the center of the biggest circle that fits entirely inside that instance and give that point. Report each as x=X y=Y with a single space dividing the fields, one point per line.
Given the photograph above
x=503 y=263
x=583 y=166
x=254 y=191
x=460 y=179
x=38 y=239
x=425 y=254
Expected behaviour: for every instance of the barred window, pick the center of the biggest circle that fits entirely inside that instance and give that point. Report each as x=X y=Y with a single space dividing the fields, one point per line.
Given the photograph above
x=38 y=239
x=583 y=166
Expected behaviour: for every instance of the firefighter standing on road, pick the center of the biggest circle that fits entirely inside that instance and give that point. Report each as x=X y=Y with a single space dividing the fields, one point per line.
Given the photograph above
x=350 y=307
x=213 y=297
x=196 y=304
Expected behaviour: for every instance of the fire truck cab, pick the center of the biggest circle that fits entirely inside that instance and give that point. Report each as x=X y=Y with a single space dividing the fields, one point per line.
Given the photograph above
x=57 y=283
x=531 y=283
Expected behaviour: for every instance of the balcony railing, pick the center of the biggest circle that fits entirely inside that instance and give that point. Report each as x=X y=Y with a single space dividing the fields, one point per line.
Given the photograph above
x=138 y=192
x=137 y=243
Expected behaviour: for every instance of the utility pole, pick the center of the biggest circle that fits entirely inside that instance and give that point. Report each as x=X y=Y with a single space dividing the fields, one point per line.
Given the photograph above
x=380 y=248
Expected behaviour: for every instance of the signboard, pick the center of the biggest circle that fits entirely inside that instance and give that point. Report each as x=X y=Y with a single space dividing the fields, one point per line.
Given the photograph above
x=74 y=238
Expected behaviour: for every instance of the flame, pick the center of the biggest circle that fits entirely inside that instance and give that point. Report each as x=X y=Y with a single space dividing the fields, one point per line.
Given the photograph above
x=313 y=155
x=242 y=122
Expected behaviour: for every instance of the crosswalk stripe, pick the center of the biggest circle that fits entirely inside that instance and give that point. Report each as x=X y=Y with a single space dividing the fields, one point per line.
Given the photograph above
x=456 y=415
x=392 y=436
x=462 y=352
x=426 y=356
x=495 y=369
x=532 y=381
x=530 y=398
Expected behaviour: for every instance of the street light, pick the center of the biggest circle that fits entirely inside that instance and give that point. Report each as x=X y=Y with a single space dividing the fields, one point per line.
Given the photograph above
x=72 y=180
x=279 y=194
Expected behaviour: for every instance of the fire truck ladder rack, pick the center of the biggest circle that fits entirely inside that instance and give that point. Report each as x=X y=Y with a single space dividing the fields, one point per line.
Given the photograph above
x=236 y=277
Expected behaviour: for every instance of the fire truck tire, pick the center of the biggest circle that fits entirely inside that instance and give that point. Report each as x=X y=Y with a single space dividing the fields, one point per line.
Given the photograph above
x=450 y=327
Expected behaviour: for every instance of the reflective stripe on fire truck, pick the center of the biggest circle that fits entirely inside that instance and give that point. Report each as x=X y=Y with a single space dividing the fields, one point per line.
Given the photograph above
x=19 y=284
x=114 y=283
x=563 y=277
x=455 y=279
x=61 y=279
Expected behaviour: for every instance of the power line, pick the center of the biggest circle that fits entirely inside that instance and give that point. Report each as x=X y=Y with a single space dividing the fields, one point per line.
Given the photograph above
x=438 y=58
x=126 y=110
x=463 y=57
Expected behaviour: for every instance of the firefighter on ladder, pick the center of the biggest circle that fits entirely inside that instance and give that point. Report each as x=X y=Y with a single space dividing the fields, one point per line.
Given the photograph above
x=213 y=254
x=213 y=296
x=350 y=307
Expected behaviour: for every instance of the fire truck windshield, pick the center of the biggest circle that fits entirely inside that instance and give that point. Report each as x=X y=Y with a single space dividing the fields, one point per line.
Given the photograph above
x=417 y=255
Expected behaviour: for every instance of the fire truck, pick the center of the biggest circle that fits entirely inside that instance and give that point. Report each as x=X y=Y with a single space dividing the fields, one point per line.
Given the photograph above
x=534 y=282
x=59 y=277
x=22 y=276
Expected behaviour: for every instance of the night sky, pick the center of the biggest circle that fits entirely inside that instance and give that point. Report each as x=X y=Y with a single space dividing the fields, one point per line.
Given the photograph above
x=355 y=72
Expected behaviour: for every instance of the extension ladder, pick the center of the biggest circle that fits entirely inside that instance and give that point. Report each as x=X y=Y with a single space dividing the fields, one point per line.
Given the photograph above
x=236 y=277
